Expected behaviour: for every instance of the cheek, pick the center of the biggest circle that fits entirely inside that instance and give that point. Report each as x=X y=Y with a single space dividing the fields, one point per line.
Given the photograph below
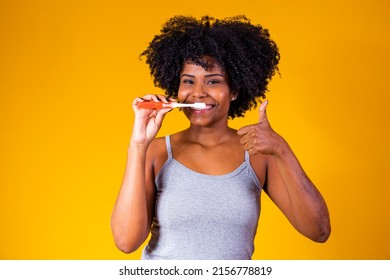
x=224 y=97
x=182 y=94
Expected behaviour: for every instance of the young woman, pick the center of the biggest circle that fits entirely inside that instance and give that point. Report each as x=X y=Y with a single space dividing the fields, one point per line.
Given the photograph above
x=198 y=191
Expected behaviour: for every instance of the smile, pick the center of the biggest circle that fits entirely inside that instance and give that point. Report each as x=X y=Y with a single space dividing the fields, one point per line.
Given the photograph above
x=208 y=107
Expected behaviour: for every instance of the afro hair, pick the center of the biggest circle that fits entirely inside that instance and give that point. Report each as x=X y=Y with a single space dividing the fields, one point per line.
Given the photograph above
x=244 y=50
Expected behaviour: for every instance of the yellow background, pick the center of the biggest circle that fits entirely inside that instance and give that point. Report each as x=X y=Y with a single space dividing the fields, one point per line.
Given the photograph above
x=70 y=69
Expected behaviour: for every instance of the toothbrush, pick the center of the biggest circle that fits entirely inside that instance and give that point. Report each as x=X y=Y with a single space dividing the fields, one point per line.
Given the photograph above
x=160 y=105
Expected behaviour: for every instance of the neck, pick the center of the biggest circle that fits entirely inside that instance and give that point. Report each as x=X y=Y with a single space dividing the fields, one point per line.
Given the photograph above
x=209 y=136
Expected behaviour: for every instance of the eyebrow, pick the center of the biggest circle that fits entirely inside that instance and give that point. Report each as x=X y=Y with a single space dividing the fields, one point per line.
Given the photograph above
x=206 y=76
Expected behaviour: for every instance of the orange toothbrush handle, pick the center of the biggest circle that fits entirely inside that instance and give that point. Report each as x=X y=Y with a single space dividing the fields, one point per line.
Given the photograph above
x=152 y=105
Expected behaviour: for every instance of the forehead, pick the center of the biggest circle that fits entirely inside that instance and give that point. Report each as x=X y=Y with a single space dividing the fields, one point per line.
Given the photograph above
x=207 y=62
x=210 y=67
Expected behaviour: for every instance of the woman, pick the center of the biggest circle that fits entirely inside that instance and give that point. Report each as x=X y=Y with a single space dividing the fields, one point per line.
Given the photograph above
x=198 y=191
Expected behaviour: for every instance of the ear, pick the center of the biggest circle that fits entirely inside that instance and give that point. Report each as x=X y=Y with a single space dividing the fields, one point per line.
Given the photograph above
x=233 y=97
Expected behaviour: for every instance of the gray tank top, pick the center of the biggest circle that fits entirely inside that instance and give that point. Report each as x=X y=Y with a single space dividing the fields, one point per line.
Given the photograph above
x=199 y=216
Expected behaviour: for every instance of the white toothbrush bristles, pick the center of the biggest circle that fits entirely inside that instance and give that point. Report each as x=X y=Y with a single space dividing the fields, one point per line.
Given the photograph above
x=199 y=106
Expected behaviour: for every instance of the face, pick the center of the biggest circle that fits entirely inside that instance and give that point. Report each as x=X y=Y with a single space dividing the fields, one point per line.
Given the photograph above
x=209 y=86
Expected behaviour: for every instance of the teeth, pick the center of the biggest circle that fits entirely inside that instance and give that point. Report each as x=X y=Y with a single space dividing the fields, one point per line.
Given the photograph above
x=207 y=108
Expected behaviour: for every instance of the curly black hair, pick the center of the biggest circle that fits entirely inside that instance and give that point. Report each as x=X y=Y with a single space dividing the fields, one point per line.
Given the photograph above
x=244 y=50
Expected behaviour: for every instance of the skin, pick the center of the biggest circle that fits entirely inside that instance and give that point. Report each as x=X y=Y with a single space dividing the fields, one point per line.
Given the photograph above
x=203 y=148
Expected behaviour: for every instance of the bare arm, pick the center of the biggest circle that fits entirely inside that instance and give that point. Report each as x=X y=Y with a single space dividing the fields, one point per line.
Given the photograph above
x=133 y=211
x=297 y=197
x=287 y=184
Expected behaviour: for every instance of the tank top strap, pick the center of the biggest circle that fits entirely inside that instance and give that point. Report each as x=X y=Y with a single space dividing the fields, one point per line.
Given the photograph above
x=247 y=157
x=252 y=171
x=168 y=145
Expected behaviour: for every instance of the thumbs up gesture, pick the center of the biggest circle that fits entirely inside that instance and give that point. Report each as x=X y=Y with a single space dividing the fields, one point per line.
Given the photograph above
x=260 y=138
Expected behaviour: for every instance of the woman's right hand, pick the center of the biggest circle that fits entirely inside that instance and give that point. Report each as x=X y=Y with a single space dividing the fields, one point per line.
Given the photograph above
x=147 y=122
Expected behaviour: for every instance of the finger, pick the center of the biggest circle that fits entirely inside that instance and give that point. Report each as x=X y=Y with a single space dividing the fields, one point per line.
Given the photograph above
x=151 y=97
x=135 y=103
x=163 y=98
x=244 y=130
x=263 y=111
x=244 y=139
x=160 y=115
x=247 y=145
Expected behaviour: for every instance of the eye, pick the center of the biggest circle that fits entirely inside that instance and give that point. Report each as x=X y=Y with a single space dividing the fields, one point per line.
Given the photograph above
x=188 y=82
x=213 y=82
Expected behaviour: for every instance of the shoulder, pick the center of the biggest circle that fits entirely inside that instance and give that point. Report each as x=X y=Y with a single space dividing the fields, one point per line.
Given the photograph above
x=156 y=155
x=157 y=148
x=259 y=164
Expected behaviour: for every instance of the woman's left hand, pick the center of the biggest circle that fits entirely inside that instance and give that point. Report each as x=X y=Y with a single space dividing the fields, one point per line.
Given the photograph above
x=260 y=138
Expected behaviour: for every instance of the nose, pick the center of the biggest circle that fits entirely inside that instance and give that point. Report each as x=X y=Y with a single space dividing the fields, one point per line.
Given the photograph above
x=198 y=91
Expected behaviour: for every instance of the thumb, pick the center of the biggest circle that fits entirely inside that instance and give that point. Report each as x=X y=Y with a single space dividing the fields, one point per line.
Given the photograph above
x=263 y=111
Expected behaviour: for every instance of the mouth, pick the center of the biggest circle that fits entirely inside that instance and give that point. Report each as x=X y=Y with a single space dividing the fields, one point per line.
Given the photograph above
x=208 y=107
